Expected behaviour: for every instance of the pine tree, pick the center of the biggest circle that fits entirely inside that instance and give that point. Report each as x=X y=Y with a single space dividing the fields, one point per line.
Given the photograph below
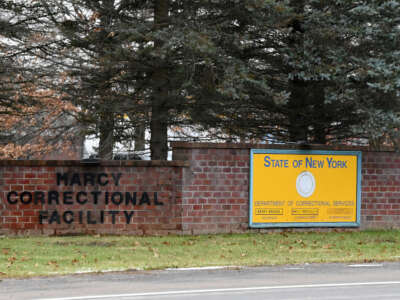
x=291 y=71
x=342 y=75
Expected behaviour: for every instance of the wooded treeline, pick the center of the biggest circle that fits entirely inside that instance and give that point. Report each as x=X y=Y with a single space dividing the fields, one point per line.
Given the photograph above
x=313 y=71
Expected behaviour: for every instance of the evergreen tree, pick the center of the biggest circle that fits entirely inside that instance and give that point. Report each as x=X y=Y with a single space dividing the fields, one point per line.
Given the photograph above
x=166 y=62
x=310 y=71
x=342 y=77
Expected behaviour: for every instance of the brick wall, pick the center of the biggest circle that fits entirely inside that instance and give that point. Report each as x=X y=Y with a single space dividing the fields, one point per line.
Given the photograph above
x=205 y=189
x=215 y=190
x=216 y=186
x=68 y=197
x=380 y=205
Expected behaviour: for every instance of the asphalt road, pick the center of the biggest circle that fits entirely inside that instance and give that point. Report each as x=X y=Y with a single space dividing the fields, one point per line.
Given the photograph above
x=327 y=281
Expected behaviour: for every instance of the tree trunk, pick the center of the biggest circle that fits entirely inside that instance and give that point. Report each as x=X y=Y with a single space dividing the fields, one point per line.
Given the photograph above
x=319 y=116
x=139 y=137
x=159 y=110
x=159 y=135
x=297 y=113
x=297 y=127
x=106 y=127
x=306 y=109
x=106 y=143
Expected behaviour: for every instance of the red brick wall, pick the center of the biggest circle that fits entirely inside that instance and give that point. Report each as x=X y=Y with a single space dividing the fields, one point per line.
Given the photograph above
x=90 y=198
x=380 y=206
x=215 y=190
x=215 y=193
x=204 y=190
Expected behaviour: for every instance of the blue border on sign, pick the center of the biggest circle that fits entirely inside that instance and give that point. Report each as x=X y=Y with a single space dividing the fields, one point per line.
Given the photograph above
x=307 y=224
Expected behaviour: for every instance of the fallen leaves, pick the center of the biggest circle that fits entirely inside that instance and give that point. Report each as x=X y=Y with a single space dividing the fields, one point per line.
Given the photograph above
x=53 y=263
x=327 y=246
x=188 y=243
x=5 y=251
x=12 y=259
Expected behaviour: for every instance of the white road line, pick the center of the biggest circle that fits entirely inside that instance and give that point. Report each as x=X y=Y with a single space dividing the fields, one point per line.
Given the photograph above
x=203 y=268
x=366 y=265
x=258 y=288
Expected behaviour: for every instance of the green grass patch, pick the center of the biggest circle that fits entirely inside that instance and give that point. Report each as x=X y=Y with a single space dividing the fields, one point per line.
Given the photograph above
x=38 y=256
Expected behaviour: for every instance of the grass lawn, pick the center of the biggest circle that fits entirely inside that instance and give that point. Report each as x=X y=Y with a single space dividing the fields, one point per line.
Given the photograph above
x=38 y=256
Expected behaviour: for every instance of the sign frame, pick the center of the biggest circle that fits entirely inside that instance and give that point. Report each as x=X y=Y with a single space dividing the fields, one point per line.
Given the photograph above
x=357 y=223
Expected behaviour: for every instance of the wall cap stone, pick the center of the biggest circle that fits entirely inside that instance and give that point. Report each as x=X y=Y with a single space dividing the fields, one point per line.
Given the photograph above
x=199 y=145
x=103 y=163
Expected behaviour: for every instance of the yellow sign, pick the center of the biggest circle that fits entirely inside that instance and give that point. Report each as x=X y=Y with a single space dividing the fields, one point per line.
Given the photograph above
x=305 y=188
